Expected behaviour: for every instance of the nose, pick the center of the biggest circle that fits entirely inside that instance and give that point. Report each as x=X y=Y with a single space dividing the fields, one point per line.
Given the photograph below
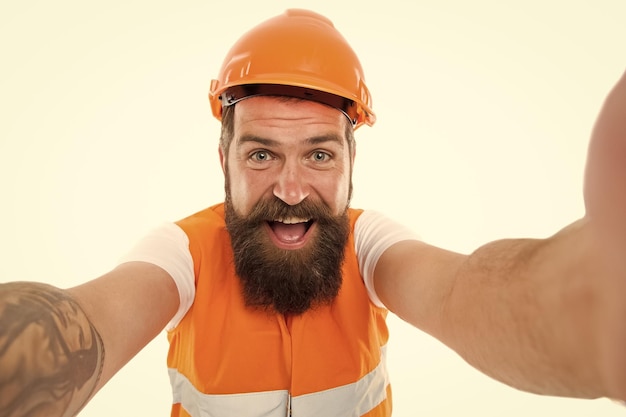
x=291 y=185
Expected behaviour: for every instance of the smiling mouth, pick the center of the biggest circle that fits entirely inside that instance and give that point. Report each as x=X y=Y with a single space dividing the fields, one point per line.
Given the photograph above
x=290 y=232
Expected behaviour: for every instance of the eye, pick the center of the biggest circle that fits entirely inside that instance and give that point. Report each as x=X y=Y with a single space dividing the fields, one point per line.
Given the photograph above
x=260 y=156
x=320 y=156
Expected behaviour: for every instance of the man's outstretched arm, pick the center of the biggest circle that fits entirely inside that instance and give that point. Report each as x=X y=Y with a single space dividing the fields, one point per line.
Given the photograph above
x=543 y=315
x=58 y=347
x=51 y=356
x=524 y=311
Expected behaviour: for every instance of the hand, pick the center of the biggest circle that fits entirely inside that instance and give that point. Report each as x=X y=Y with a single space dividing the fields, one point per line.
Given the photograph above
x=605 y=201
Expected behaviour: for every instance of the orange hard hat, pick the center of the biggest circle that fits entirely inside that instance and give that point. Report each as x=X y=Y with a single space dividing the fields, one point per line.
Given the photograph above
x=298 y=53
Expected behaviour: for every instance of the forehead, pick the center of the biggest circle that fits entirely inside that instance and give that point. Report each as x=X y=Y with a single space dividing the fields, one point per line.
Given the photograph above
x=288 y=117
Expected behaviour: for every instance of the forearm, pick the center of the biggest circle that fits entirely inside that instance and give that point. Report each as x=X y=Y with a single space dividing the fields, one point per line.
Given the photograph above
x=51 y=356
x=524 y=312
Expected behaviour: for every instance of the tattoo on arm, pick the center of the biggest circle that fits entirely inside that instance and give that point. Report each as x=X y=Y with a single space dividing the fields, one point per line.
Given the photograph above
x=51 y=356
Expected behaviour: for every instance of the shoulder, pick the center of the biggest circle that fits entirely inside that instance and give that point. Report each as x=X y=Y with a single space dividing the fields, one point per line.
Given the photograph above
x=372 y=225
x=209 y=215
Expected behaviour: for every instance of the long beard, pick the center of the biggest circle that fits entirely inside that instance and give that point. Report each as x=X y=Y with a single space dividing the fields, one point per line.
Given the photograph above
x=288 y=281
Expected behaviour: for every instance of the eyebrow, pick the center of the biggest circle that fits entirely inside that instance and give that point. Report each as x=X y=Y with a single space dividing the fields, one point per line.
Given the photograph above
x=314 y=140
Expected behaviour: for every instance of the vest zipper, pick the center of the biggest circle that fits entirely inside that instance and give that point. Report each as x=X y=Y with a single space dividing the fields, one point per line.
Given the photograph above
x=285 y=323
x=289 y=404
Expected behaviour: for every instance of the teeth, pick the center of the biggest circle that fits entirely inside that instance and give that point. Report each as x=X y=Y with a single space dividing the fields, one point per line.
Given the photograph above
x=292 y=220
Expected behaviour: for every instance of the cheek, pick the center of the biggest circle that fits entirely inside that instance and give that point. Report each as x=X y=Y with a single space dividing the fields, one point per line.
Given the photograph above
x=343 y=195
x=335 y=191
x=246 y=188
x=344 y=186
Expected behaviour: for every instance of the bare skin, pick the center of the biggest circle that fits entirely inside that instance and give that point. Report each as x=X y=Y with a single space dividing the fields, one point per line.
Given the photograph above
x=291 y=150
x=44 y=332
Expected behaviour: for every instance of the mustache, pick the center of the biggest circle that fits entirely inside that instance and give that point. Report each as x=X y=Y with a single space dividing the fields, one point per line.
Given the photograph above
x=274 y=208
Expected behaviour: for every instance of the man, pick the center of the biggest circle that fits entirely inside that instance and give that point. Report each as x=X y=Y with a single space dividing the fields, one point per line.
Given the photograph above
x=279 y=296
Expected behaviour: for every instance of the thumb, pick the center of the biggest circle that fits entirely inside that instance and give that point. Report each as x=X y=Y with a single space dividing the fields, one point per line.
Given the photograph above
x=605 y=173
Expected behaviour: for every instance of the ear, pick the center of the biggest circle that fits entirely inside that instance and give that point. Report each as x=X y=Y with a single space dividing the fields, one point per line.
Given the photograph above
x=222 y=159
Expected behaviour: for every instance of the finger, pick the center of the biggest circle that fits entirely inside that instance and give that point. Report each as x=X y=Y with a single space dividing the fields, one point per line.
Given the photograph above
x=605 y=174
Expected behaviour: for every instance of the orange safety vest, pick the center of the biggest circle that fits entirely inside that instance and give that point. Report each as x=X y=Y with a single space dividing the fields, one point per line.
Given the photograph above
x=229 y=360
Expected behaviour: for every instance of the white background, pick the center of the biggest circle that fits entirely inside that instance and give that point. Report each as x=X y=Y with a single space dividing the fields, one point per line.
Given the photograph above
x=484 y=109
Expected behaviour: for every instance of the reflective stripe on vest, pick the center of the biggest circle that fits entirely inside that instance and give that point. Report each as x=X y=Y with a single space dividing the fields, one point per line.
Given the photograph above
x=354 y=399
x=197 y=404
